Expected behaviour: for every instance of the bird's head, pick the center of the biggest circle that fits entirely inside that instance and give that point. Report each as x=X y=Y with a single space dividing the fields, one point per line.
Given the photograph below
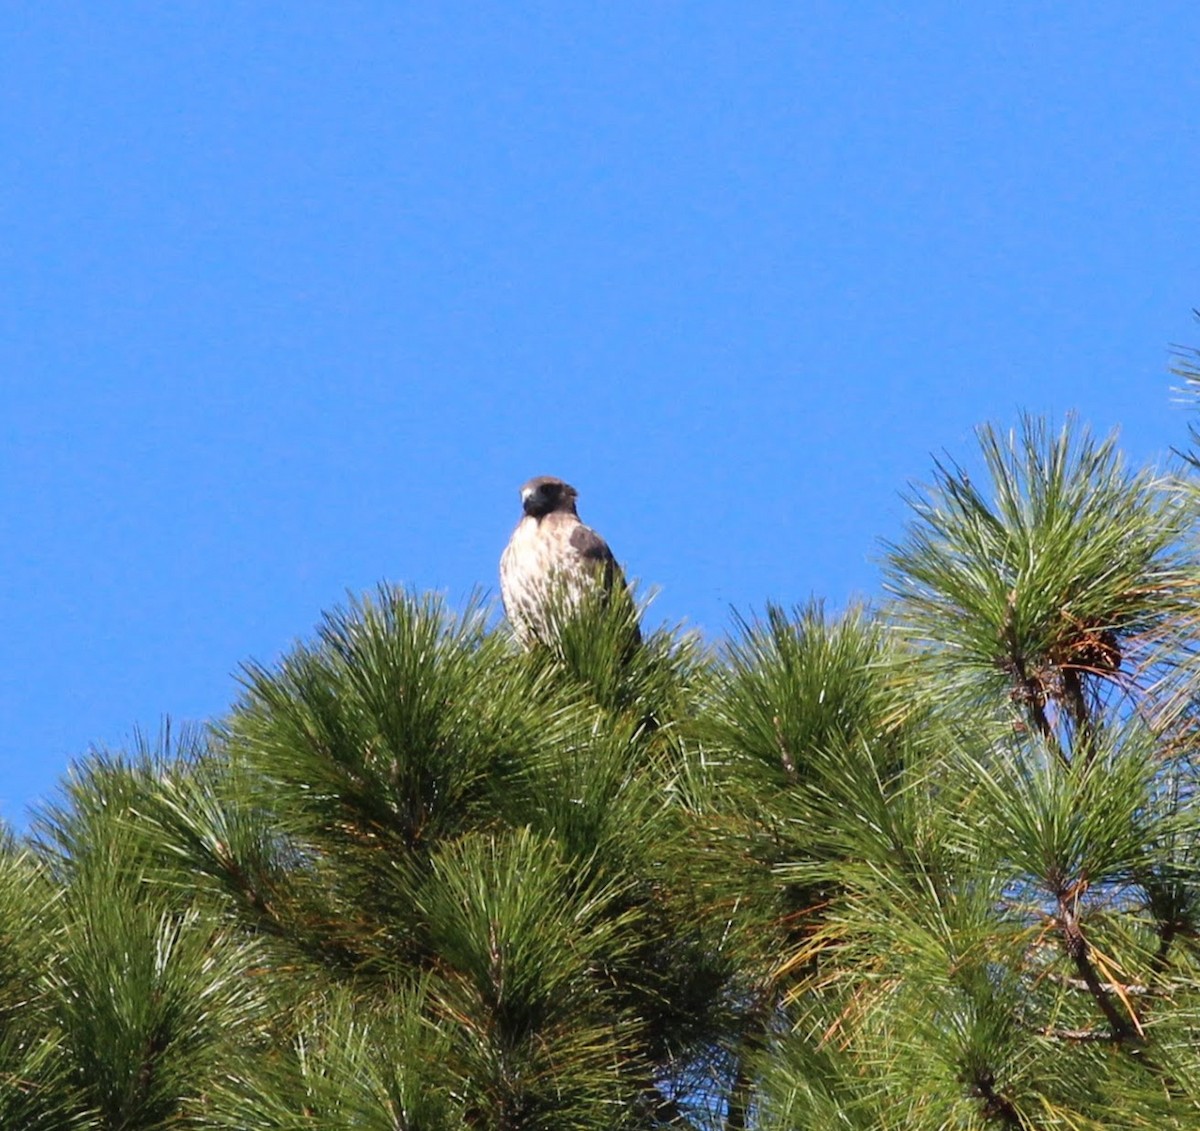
x=545 y=494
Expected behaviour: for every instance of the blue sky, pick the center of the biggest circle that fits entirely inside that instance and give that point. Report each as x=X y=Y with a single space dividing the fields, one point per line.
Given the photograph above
x=293 y=297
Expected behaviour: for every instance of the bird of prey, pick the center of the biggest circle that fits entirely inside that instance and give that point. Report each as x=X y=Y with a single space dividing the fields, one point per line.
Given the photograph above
x=552 y=562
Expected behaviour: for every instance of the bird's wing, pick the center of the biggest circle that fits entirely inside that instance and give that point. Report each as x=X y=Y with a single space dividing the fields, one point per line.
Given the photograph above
x=594 y=554
x=594 y=551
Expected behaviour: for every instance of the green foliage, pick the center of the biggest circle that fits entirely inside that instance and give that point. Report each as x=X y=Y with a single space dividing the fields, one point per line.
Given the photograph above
x=389 y=732
x=347 y=1064
x=140 y=995
x=598 y=655
x=795 y=687
x=804 y=721
x=525 y=952
x=1187 y=366
x=1065 y=579
x=1059 y=824
x=35 y=1089
x=930 y=866
x=150 y=1005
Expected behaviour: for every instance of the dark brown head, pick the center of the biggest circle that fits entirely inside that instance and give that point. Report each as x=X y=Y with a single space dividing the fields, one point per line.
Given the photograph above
x=545 y=494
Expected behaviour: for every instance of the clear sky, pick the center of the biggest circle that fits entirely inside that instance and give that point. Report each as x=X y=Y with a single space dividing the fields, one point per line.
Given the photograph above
x=294 y=296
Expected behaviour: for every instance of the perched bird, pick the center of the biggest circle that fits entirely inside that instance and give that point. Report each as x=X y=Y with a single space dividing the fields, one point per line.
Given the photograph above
x=552 y=557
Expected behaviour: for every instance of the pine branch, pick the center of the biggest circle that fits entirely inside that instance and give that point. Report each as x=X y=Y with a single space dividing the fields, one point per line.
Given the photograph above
x=1135 y=988
x=1100 y=1036
x=1079 y=951
x=1083 y=724
x=738 y=1111
x=995 y=1104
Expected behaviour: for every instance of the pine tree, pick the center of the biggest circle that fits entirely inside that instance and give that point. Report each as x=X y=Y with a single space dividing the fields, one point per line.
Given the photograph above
x=928 y=865
x=1009 y=924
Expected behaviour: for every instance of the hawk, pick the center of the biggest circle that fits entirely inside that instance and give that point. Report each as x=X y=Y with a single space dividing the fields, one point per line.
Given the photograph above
x=550 y=557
